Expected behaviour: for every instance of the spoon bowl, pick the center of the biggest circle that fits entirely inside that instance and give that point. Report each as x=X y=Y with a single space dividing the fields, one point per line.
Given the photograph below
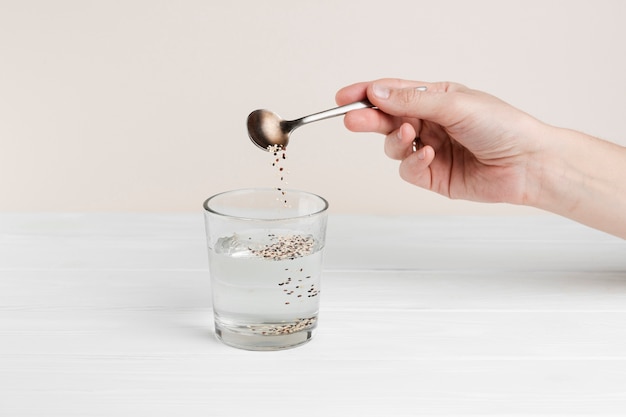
x=267 y=130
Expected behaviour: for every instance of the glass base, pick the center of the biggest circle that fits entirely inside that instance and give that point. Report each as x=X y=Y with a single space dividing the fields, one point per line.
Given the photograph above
x=251 y=341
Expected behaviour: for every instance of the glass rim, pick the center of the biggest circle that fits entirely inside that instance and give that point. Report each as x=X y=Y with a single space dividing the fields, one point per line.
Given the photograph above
x=208 y=209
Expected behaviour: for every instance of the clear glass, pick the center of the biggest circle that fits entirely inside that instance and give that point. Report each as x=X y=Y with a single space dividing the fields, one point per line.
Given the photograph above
x=265 y=261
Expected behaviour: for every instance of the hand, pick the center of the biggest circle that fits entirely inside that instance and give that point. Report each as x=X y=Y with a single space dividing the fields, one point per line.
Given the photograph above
x=471 y=145
x=474 y=146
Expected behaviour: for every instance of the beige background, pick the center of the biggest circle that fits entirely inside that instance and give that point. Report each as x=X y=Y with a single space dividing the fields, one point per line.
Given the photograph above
x=140 y=105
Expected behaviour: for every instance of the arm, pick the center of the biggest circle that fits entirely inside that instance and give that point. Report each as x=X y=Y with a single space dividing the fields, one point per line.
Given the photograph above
x=582 y=178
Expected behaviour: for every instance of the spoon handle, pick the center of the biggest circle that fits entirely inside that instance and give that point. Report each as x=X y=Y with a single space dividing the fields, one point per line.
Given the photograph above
x=337 y=111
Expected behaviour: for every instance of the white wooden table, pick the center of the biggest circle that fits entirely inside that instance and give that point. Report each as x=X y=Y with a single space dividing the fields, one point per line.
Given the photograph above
x=110 y=315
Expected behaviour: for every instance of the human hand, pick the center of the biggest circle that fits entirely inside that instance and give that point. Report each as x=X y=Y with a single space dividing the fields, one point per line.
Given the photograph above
x=470 y=145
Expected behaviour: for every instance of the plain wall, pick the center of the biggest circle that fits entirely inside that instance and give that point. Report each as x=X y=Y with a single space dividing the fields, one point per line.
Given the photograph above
x=140 y=105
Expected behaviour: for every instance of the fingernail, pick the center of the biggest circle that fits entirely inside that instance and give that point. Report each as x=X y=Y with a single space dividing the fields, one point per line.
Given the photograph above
x=421 y=154
x=399 y=134
x=381 y=91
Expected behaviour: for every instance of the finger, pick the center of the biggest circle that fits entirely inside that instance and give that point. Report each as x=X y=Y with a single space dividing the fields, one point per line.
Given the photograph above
x=415 y=168
x=352 y=93
x=364 y=120
x=399 y=143
x=370 y=120
x=437 y=103
x=358 y=91
x=398 y=83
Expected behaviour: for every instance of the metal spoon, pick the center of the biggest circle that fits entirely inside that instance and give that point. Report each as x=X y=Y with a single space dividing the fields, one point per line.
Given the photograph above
x=266 y=129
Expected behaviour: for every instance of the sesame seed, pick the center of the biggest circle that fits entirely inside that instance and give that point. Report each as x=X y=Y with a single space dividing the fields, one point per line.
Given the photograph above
x=298 y=325
x=286 y=247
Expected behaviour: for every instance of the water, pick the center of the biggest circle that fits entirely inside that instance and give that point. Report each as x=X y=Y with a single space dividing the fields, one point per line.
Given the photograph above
x=266 y=283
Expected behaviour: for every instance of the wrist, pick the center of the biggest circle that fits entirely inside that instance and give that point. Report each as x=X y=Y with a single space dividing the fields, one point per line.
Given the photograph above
x=551 y=171
x=580 y=177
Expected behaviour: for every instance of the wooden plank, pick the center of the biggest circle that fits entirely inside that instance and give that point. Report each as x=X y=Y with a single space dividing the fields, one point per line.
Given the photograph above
x=191 y=386
x=341 y=290
x=132 y=241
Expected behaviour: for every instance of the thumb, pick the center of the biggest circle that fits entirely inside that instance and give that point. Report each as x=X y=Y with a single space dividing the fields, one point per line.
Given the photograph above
x=431 y=101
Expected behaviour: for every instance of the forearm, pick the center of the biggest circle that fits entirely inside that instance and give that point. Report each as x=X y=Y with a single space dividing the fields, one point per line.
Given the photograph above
x=582 y=178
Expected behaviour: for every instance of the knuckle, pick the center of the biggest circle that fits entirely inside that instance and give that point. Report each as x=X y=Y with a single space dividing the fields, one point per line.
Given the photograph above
x=409 y=96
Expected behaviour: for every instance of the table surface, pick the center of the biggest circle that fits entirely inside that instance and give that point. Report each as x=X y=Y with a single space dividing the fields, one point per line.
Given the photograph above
x=110 y=315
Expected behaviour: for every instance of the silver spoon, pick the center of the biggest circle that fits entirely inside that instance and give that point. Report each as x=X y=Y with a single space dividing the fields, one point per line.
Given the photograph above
x=266 y=129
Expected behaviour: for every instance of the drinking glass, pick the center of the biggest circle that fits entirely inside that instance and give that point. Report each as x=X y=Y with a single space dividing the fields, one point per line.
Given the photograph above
x=265 y=263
